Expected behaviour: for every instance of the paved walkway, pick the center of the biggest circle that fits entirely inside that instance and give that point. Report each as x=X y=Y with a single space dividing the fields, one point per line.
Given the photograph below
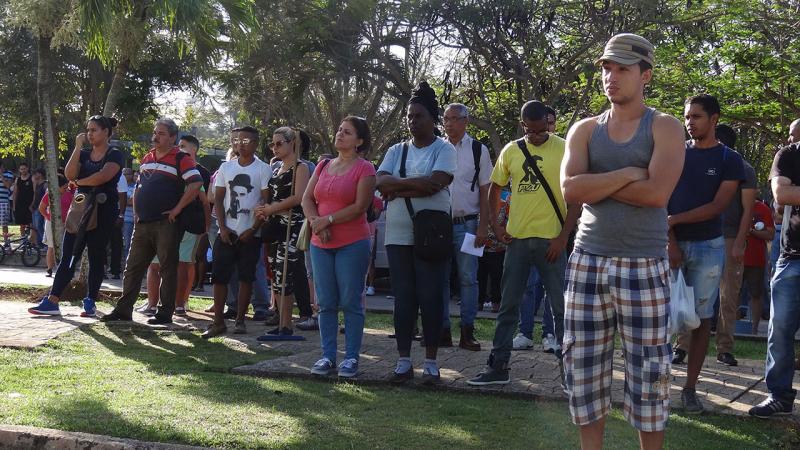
x=535 y=374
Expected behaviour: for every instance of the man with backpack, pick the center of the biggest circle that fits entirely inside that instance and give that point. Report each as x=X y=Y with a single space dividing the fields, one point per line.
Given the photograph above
x=469 y=191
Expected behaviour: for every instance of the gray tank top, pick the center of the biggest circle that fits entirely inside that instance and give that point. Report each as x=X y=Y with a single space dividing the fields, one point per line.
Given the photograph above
x=613 y=228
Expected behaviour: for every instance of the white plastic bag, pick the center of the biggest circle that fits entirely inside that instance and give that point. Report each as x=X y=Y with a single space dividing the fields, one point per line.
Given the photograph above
x=682 y=315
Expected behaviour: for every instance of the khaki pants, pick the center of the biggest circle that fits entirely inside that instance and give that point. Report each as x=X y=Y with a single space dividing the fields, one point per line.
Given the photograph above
x=728 y=300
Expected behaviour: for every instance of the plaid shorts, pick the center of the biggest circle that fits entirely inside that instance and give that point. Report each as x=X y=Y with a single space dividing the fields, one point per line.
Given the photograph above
x=5 y=213
x=603 y=294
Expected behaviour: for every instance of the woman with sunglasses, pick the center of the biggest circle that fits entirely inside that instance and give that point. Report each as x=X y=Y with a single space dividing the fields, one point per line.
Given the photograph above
x=282 y=214
x=336 y=203
x=94 y=169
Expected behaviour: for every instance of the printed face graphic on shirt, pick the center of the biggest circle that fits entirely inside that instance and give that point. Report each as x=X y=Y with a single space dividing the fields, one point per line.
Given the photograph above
x=238 y=188
x=530 y=182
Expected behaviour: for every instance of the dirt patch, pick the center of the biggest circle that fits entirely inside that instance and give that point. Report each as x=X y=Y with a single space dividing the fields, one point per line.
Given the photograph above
x=74 y=292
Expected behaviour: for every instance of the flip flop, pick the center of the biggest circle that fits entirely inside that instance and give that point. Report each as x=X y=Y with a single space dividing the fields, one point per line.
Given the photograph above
x=278 y=337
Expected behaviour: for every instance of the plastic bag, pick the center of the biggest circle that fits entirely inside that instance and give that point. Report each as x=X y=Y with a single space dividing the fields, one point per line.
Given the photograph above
x=682 y=314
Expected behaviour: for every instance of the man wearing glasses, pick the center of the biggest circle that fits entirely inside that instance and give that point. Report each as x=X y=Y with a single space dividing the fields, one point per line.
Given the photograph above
x=539 y=224
x=469 y=192
x=239 y=187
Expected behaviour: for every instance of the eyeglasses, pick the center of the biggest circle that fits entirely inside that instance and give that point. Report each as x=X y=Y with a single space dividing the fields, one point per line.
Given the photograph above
x=531 y=132
x=277 y=144
x=244 y=141
x=452 y=119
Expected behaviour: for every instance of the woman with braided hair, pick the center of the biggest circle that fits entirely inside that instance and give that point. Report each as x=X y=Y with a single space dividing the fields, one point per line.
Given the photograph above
x=428 y=162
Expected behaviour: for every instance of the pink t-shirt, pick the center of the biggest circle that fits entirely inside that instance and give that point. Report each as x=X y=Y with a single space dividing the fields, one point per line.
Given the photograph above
x=66 y=200
x=334 y=192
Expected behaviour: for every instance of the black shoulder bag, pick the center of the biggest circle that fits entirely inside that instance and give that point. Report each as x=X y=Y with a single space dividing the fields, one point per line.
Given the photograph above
x=541 y=178
x=433 y=230
x=192 y=218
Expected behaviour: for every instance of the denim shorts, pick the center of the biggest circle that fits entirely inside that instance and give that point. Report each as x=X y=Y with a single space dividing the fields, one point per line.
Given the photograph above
x=702 y=266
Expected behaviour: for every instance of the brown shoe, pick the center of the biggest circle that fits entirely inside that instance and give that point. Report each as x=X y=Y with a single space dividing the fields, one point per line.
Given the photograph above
x=215 y=329
x=467 y=341
x=447 y=339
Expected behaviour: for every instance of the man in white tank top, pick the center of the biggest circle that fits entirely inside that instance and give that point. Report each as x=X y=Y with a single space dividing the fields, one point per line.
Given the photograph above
x=609 y=285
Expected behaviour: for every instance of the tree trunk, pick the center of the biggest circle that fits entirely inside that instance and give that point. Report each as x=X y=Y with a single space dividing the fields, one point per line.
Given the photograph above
x=117 y=84
x=44 y=87
x=35 y=144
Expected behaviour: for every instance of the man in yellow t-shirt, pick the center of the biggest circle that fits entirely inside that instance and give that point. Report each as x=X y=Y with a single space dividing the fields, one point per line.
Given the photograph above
x=534 y=233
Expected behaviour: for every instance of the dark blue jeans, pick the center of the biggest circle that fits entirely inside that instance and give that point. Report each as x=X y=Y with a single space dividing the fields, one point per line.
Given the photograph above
x=783 y=325
x=417 y=285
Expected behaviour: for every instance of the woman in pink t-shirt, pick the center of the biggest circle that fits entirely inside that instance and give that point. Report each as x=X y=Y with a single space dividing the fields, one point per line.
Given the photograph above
x=335 y=203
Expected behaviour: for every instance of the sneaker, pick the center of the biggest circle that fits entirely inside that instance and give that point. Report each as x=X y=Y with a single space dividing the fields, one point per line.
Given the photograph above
x=487 y=306
x=180 y=311
x=771 y=407
x=550 y=344
x=239 y=328
x=49 y=273
x=390 y=297
x=491 y=376
x=45 y=308
x=89 y=309
x=429 y=377
x=309 y=324
x=155 y=320
x=215 y=329
x=727 y=359
x=323 y=367
x=260 y=316
x=522 y=343
x=691 y=404
x=229 y=314
x=398 y=378
x=679 y=356
x=370 y=291
x=348 y=368
x=146 y=310
x=272 y=320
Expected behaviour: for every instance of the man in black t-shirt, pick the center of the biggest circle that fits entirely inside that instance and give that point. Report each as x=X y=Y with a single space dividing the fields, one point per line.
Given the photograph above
x=784 y=321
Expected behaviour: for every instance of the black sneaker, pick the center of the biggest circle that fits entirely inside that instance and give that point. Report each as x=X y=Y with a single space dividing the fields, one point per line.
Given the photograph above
x=156 y=320
x=491 y=376
x=260 y=316
x=116 y=316
x=727 y=359
x=400 y=378
x=679 y=356
x=230 y=314
x=691 y=404
x=771 y=407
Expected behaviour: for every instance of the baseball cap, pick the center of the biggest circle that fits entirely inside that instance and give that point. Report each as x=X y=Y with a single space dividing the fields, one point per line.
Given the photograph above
x=627 y=49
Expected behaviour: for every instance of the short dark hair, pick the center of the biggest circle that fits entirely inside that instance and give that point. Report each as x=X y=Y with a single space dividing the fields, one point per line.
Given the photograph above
x=362 y=132
x=533 y=110
x=41 y=172
x=62 y=180
x=726 y=135
x=192 y=140
x=23 y=163
x=248 y=129
x=708 y=102
x=550 y=111
x=644 y=65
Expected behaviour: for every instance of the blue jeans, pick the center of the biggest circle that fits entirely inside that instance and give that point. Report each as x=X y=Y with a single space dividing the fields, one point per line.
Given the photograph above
x=521 y=256
x=339 y=278
x=702 y=268
x=467 y=268
x=261 y=294
x=783 y=325
x=38 y=225
x=531 y=300
x=127 y=232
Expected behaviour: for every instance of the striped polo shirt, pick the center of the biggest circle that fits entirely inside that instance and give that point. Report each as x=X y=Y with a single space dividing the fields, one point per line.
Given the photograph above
x=161 y=184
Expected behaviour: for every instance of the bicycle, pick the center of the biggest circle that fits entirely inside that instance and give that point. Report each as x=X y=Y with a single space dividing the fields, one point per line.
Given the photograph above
x=29 y=253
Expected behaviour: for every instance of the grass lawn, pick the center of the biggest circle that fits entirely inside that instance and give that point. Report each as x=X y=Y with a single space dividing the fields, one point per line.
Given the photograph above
x=175 y=387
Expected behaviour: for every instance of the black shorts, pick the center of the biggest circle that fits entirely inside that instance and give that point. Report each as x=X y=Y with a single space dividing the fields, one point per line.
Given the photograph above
x=241 y=256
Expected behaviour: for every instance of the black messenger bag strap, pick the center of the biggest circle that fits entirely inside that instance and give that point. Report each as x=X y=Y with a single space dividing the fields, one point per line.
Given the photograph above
x=403 y=175
x=522 y=146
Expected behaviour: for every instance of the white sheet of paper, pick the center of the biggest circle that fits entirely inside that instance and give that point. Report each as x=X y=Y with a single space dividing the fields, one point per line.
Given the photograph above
x=468 y=246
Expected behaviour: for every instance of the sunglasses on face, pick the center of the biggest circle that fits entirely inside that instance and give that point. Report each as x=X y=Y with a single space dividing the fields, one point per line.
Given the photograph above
x=277 y=144
x=244 y=141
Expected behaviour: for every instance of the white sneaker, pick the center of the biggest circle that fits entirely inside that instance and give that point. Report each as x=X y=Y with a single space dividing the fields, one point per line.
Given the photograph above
x=550 y=344
x=146 y=310
x=487 y=306
x=370 y=290
x=522 y=343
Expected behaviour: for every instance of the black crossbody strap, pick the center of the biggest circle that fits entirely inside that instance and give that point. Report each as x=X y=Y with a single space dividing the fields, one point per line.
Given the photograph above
x=522 y=146
x=403 y=175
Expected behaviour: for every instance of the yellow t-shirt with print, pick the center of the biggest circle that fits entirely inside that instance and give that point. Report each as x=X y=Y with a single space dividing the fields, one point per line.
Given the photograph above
x=531 y=213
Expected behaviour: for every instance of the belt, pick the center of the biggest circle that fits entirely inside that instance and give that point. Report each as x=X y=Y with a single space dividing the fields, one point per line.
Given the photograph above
x=464 y=219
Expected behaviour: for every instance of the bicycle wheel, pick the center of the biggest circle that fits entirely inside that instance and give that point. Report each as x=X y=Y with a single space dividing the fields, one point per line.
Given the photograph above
x=30 y=255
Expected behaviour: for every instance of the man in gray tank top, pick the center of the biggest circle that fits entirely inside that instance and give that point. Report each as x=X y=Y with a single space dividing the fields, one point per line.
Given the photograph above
x=622 y=166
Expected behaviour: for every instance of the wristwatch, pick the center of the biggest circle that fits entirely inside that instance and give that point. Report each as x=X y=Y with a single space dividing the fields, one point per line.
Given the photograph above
x=330 y=219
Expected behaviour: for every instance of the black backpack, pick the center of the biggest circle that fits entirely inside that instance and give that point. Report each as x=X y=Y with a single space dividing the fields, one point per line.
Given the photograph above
x=476 y=159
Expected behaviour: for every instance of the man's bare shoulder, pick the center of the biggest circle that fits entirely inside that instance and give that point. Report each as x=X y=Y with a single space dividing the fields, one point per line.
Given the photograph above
x=583 y=127
x=666 y=122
